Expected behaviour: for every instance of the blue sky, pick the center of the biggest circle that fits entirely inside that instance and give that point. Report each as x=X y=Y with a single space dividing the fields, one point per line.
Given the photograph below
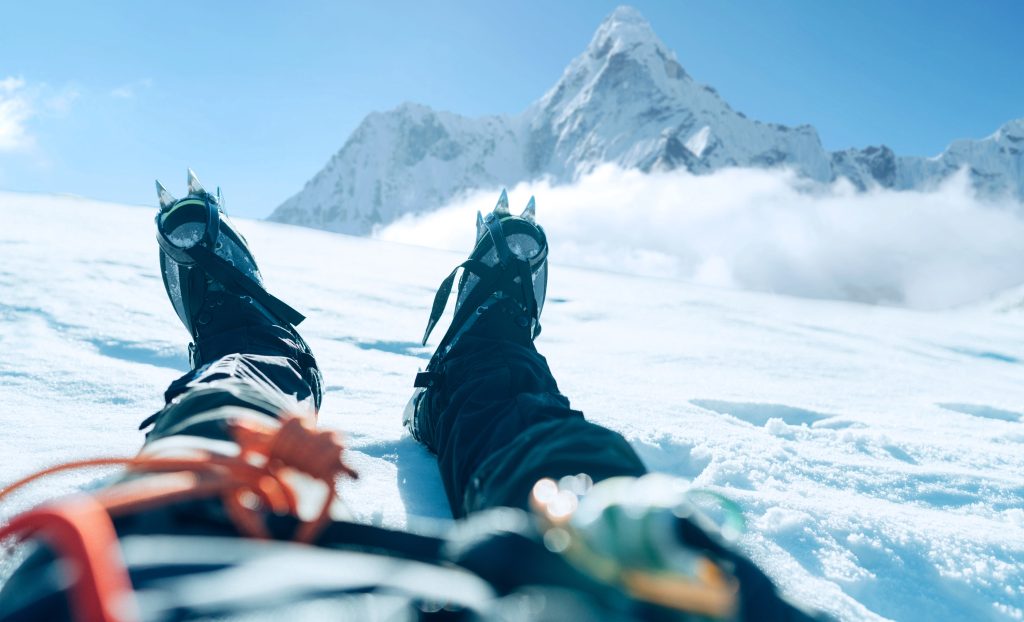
x=98 y=99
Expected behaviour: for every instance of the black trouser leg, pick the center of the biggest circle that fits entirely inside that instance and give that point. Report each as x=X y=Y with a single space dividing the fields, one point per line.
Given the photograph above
x=255 y=371
x=498 y=424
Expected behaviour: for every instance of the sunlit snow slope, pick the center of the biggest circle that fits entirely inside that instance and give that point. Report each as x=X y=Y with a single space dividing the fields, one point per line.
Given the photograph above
x=878 y=453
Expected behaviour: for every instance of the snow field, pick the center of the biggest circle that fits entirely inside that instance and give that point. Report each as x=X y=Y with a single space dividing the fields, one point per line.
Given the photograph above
x=876 y=452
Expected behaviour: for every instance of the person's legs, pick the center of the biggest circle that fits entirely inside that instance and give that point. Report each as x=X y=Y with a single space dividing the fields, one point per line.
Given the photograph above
x=500 y=424
x=249 y=364
x=491 y=409
x=248 y=360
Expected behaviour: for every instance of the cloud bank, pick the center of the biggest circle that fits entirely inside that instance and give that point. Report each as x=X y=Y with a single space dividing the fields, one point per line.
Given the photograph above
x=764 y=230
x=20 y=103
x=15 y=111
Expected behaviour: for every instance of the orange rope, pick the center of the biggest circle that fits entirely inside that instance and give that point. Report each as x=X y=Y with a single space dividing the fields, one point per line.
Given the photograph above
x=255 y=474
x=81 y=527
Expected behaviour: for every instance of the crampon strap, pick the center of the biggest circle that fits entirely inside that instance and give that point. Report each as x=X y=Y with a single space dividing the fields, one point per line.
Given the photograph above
x=488 y=278
x=511 y=273
x=80 y=528
x=236 y=282
x=219 y=268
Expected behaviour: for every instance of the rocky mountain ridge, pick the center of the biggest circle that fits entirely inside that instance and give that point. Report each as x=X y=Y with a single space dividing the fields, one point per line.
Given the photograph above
x=626 y=100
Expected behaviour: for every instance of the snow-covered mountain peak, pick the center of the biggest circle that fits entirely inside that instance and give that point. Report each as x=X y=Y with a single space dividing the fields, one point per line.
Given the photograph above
x=627 y=14
x=1012 y=131
x=414 y=109
x=625 y=100
x=995 y=164
x=1014 y=126
x=624 y=29
x=624 y=53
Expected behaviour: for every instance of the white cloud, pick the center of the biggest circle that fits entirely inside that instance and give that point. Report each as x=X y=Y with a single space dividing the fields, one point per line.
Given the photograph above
x=15 y=111
x=768 y=231
x=21 y=103
x=60 y=103
x=10 y=84
x=130 y=90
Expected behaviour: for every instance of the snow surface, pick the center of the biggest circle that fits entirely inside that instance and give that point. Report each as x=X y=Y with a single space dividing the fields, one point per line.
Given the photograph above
x=699 y=141
x=878 y=453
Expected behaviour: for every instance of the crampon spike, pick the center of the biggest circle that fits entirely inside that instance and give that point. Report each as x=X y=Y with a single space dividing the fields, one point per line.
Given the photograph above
x=194 y=187
x=501 y=209
x=166 y=198
x=481 y=228
x=530 y=213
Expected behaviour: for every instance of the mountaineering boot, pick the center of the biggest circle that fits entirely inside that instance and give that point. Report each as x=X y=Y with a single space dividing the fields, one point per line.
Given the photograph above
x=212 y=279
x=501 y=292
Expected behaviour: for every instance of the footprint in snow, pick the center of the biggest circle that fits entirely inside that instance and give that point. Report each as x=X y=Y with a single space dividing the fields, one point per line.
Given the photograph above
x=758 y=414
x=985 y=412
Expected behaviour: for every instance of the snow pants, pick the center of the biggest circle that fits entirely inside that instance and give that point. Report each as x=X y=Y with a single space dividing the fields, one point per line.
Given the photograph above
x=255 y=372
x=498 y=422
